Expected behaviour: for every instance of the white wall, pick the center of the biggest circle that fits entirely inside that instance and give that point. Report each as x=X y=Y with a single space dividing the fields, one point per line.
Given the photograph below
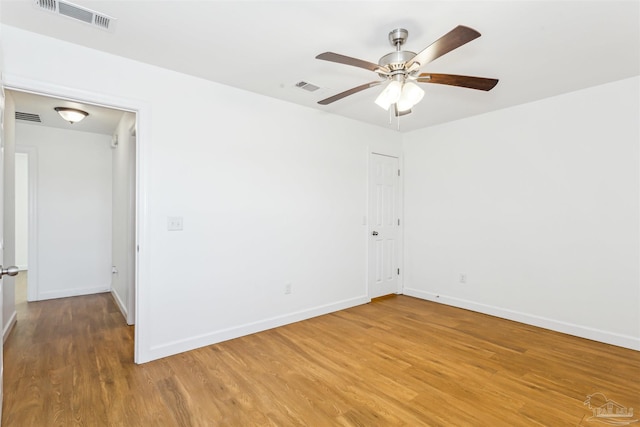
x=270 y=193
x=22 y=210
x=123 y=216
x=74 y=210
x=538 y=206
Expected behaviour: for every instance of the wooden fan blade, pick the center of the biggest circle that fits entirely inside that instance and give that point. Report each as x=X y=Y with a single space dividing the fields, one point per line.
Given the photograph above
x=350 y=92
x=480 y=83
x=445 y=44
x=347 y=60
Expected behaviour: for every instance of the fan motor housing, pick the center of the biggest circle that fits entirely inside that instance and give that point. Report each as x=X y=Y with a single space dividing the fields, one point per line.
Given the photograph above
x=396 y=61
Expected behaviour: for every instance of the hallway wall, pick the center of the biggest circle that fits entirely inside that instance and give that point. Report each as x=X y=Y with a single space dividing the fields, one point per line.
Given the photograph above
x=73 y=210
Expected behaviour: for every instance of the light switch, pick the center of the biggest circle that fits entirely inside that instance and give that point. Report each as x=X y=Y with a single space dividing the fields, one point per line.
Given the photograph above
x=174 y=223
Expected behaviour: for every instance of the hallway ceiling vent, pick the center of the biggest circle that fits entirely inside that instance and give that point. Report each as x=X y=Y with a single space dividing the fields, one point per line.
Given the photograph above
x=79 y=13
x=307 y=86
x=28 y=117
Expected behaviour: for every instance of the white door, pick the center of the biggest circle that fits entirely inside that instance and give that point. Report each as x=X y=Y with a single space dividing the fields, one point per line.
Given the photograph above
x=12 y=271
x=384 y=225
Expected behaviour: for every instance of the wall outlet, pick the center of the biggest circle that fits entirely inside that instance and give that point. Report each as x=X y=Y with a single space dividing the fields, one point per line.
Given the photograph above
x=174 y=223
x=287 y=288
x=463 y=278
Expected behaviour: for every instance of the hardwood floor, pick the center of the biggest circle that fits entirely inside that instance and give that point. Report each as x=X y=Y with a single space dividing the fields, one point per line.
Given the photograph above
x=396 y=361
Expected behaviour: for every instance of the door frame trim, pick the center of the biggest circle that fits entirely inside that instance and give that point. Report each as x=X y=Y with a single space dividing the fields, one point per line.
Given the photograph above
x=32 y=221
x=143 y=147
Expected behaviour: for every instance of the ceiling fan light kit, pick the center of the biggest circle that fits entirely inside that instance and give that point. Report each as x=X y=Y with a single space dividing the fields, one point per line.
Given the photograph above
x=404 y=95
x=411 y=95
x=400 y=69
x=389 y=95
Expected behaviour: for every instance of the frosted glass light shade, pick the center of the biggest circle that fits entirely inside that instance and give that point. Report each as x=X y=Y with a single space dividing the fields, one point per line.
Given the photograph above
x=389 y=94
x=410 y=96
x=71 y=114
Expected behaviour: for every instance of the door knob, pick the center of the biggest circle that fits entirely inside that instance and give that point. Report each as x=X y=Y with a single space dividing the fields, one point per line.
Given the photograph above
x=375 y=233
x=9 y=271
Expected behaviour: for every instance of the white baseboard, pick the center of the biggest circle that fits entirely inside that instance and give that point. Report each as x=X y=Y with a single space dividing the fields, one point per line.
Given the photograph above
x=607 y=337
x=180 y=346
x=121 y=305
x=9 y=326
x=64 y=293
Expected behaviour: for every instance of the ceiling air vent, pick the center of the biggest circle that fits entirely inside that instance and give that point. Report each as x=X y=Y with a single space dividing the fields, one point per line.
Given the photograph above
x=70 y=10
x=29 y=117
x=307 y=86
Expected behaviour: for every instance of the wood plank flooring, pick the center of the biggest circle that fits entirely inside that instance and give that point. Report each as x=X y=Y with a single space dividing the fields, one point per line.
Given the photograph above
x=396 y=361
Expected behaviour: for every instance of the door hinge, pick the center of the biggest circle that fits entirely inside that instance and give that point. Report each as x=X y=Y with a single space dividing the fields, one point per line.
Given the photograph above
x=398 y=272
x=398 y=221
x=398 y=172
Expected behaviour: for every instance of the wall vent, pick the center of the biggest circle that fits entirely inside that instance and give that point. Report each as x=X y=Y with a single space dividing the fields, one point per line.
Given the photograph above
x=79 y=13
x=307 y=86
x=29 y=117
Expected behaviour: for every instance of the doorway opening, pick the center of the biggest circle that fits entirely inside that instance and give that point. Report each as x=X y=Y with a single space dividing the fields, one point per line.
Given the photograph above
x=74 y=195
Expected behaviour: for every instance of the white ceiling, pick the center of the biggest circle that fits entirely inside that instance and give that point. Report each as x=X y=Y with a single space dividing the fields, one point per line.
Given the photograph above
x=536 y=48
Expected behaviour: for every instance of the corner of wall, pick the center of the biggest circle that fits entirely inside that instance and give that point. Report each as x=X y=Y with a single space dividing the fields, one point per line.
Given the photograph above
x=9 y=325
x=119 y=302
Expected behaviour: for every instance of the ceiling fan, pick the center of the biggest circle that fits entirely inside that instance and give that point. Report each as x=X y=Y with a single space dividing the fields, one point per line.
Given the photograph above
x=400 y=68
